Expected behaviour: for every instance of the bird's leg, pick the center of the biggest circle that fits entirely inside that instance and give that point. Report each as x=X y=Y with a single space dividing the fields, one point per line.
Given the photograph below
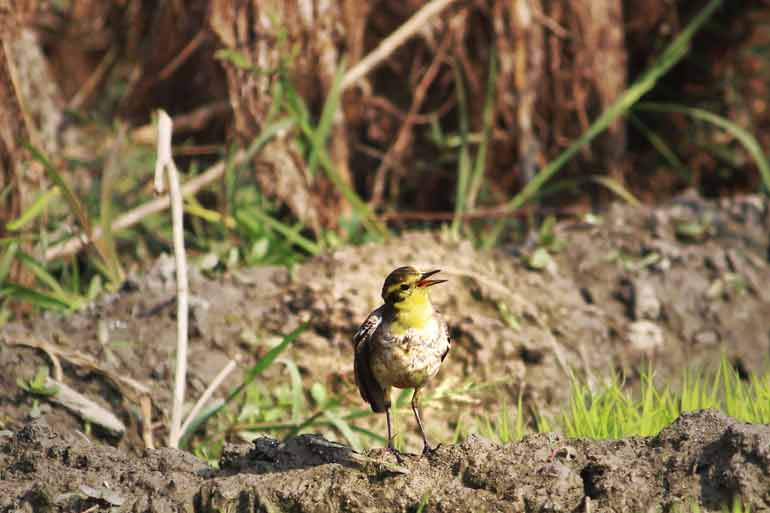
x=391 y=448
x=416 y=409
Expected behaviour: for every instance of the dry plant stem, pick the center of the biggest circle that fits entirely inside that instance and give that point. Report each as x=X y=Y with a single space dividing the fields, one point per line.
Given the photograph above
x=151 y=207
x=58 y=373
x=165 y=161
x=84 y=407
x=191 y=121
x=88 y=88
x=129 y=387
x=145 y=407
x=393 y=41
x=226 y=370
x=180 y=59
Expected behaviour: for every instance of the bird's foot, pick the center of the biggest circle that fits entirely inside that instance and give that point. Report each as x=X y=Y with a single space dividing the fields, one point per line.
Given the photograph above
x=427 y=450
x=395 y=452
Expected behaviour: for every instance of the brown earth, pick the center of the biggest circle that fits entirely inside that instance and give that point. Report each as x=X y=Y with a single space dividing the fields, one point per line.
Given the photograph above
x=680 y=284
x=704 y=458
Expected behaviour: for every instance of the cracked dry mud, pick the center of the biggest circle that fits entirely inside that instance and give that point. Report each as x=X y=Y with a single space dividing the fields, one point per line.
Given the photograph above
x=680 y=284
x=703 y=457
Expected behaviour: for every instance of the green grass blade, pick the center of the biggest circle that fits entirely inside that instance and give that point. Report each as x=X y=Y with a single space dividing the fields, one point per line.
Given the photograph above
x=266 y=361
x=250 y=375
x=7 y=260
x=297 y=394
x=620 y=191
x=251 y=217
x=488 y=121
x=670 y=56
x=311 y=420
x=40 y=272
x=111 y=169
x=326 y=121
x=265 y=135
x=463 y=161
x=370 y=221
x=34 y=210
x=77 y=209
x=374 y=436
x=663 y=148
x=343 y=427
x=39 y=299
x=743 y=136
x=300 y=116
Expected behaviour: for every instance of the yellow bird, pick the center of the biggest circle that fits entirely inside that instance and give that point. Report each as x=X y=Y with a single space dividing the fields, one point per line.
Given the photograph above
x=401 y=344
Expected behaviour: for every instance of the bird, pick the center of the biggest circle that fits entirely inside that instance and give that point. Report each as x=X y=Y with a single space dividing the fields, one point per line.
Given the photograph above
x=401 y=344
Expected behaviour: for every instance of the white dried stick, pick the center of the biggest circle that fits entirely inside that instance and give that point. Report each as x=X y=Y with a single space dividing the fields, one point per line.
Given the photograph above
x=165 y=161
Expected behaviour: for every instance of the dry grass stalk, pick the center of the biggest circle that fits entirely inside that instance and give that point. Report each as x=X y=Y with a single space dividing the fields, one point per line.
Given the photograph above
x=165 y=162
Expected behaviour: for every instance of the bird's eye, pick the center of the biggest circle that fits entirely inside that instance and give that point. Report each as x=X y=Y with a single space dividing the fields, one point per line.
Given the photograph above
x=405 y=286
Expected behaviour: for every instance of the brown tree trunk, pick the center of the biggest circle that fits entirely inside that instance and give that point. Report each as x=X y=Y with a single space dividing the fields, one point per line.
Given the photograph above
x=305 y=36
x=602 y=39
x=28 y=115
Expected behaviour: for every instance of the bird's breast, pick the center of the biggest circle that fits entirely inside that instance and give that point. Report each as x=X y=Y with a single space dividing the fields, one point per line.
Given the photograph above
x=410 y=358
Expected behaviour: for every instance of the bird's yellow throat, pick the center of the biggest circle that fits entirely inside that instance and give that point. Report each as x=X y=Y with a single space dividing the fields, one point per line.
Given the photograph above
x=415 y=311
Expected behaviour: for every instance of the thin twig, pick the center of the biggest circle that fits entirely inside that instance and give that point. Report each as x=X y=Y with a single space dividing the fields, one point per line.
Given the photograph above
x=388 y=45
x=88 y=88
x=402 y=139
x=145 y=408
x=226 y=370
x=549 y=22
x=166 y=162
x=180 y=59
x=426 y=118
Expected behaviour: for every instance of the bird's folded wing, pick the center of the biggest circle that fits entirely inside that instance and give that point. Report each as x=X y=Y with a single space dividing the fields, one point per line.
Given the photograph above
x=371 y=391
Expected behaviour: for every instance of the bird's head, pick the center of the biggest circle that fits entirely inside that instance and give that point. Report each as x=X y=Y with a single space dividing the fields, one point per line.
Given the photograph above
x=408 y=285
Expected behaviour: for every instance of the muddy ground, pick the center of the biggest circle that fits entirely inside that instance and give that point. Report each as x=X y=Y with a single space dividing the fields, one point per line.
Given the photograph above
x=679 y=285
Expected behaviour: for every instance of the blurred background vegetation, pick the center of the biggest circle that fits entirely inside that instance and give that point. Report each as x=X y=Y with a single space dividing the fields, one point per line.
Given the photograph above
x=465 y=120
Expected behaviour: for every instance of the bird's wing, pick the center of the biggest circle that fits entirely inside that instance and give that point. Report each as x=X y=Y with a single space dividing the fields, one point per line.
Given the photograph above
x=371 y=391
x=367 y=328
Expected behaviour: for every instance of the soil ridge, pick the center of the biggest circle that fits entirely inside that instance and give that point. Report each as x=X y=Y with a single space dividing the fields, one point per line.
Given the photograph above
x=703 y=457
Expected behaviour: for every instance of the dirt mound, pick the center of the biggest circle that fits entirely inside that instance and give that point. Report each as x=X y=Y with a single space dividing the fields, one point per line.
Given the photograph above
x=704 y=458
x=680 y=284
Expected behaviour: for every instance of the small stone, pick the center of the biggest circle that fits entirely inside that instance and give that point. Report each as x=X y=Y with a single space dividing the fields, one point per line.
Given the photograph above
x=647 y=305
x=706 y=338
x=645 y=336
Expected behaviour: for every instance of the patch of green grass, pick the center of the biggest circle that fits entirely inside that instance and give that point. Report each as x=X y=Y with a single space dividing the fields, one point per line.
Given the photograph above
x=614 y=411
x=250 y=376
x=736 y=507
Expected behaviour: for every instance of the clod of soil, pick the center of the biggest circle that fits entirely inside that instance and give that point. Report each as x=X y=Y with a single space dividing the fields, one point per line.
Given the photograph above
x=703 y=458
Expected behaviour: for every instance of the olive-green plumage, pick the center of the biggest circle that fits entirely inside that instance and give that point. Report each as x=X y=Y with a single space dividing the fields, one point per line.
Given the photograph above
x=400 y=344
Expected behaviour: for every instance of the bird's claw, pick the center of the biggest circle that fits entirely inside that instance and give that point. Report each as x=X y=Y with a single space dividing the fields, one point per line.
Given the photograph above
x=395 y=452
x=427 y=450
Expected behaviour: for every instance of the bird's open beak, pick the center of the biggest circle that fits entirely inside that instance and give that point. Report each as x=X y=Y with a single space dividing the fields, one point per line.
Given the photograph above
x=425 y=282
